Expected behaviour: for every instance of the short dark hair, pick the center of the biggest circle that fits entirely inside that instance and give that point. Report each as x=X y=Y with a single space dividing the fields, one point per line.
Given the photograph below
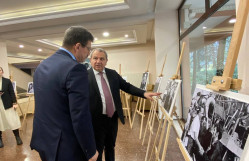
x=76 y=34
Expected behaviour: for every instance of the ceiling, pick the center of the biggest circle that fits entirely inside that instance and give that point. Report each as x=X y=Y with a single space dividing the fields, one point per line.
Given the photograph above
x=40 y=24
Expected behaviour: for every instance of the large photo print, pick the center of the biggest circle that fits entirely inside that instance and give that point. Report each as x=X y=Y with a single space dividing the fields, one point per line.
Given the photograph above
x=217 y=126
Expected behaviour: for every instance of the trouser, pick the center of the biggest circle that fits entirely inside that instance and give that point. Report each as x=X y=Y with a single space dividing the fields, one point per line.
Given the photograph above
x=105 y=136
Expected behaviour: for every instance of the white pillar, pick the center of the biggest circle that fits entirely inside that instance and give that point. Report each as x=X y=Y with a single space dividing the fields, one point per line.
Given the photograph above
x=167 y=43
x=4 y=59
x=243 y=57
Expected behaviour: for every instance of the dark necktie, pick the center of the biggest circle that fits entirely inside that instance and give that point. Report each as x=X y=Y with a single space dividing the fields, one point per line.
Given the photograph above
x=108 y=96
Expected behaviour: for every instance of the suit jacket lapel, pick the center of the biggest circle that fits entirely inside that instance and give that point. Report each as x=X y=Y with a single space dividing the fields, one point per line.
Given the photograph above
x=93 y=80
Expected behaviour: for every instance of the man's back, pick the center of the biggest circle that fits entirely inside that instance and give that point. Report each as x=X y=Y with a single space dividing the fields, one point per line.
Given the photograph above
x=61 y=105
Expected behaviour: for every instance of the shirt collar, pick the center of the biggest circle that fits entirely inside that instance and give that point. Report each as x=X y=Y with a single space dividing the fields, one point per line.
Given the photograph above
x=68 y=53
x=96 y=72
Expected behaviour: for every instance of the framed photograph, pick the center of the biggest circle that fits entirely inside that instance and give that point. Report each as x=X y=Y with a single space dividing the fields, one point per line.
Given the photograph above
x=14 y=86
x=157 y=84
x=217 y=126
x=30 y=88
x=145 y=80
x=169 y=95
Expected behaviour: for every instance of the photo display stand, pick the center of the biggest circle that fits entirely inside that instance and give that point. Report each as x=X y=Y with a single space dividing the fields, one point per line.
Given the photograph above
x=168 y=109
x=153 y=111
x=30 y=94
x=218 y=122
x=226 y=81
x=161 y=138
x=140 y=106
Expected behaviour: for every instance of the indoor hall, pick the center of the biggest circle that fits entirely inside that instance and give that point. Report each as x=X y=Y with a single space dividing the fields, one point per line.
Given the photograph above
x=195 y=42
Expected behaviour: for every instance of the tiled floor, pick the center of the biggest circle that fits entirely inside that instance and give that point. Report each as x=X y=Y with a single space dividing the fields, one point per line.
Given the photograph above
x=128 y=146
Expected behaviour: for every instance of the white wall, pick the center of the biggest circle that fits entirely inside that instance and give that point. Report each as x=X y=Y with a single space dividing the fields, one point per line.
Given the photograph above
x=134 y=60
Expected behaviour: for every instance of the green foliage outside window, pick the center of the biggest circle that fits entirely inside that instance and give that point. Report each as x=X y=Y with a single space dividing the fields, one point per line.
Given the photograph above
x=209 y=61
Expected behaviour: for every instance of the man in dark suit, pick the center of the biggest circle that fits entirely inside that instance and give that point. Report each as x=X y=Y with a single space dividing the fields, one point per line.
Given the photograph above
x=105 y=104
x=62 y=128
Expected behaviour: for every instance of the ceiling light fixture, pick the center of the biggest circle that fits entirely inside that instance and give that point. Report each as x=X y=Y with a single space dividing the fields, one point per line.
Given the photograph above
x=126 y=35
x=204 y=27
x=106 y=34
x=40 y=50
x=21 y=46
x=95 y=39
x=232 y=20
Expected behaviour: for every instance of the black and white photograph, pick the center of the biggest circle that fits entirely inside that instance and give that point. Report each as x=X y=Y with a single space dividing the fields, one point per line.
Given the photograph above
x=169 y=95
x=145 y=80
x=217 y=126
x=14 y=85
x=157 y=84
x=30 y=88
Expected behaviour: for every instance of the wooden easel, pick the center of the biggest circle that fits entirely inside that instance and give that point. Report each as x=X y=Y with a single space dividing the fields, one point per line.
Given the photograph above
x=140 y=109
x=161 y=136
x=226 y=81
x=125 y=97
x=183 y=150
x=152 y=116
x=24 y=121
x=165 y=119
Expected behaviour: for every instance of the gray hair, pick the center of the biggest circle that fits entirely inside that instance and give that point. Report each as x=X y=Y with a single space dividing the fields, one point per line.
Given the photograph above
x=99 y=50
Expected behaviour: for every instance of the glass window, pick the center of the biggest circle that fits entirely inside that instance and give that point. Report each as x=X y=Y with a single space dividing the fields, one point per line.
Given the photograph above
x=206 y=50
x=191 y=11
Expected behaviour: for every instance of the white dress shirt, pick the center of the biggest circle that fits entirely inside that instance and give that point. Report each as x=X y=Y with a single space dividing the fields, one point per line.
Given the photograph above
x=98 y=79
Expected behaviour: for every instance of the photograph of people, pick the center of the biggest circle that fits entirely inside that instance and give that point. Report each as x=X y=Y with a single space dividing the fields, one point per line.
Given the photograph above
x=144 y=81
x=157 y=84
x=216 y=128
x=9 y=119
x=169 y=94
x=30 y=88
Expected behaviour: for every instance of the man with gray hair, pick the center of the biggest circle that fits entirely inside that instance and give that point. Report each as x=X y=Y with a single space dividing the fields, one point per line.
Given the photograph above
x=105 y=104
x=62 y=128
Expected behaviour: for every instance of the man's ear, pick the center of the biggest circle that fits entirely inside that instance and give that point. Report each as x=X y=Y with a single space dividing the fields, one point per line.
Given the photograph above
x=77 y=46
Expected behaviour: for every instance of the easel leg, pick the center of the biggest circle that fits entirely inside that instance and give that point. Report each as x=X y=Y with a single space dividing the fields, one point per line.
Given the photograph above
x=141 y=126
x=166 y=141
x=25 y=115
x=138 y=101
x=148 y=121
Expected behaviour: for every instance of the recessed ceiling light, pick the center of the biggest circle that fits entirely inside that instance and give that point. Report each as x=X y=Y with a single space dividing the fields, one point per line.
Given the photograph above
x=95 y=39
x=21 y=46
x=232 y=20
x=204 y=27
x=126 y=35
x=40 y=50
x=106 y=34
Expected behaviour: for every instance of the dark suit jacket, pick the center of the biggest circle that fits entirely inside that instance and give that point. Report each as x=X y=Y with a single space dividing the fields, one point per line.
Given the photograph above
x=9 y=96
x=116 y=83
x=62 y=128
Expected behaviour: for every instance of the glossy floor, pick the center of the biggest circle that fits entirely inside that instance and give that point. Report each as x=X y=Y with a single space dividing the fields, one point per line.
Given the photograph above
x=128 y=147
